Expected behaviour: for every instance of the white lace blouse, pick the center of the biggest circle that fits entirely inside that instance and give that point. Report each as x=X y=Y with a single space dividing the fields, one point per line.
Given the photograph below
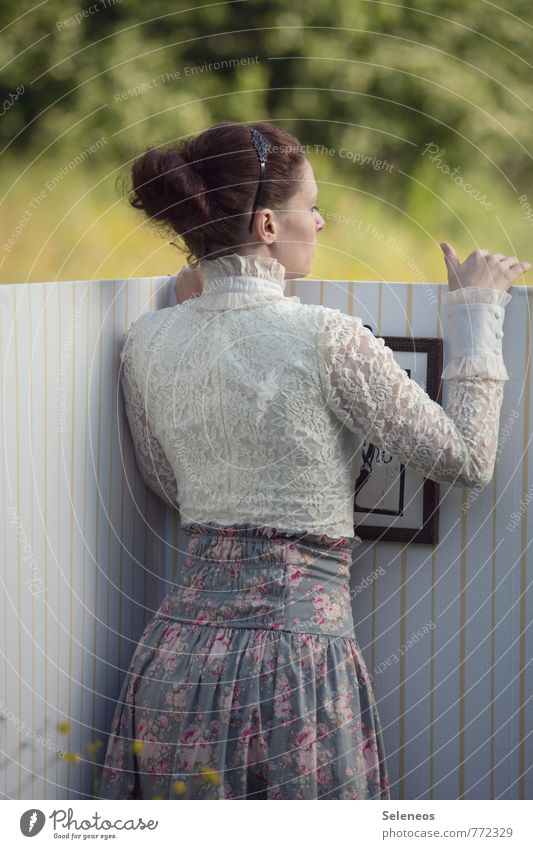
x=247 y=406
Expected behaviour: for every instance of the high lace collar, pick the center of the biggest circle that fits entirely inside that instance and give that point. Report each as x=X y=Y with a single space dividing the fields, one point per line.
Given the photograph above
x=235 y=280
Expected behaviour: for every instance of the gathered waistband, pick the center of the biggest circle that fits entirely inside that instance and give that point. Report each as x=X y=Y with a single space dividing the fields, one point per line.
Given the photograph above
x=266 y=532
x=242 y=576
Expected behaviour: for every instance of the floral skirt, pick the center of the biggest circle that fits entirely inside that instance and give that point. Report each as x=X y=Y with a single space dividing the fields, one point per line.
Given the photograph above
x=248 y=682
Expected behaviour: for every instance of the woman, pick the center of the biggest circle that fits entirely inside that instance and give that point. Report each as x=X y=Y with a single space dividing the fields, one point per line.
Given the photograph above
x=247 y=409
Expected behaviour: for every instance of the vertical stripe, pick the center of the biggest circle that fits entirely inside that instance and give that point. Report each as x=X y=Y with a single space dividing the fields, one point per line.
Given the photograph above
x=89 y=618
x=493 y=614
x=73 y=566
x=47 y=641
x=110 y=621
x=462 y=651
x=121 y=506
x=93 y=459
x=3 y=761
x=403 y=600
x=17 y=488
x=57 y=496
x=33 y=627
x=523 y=623
x=438 y=334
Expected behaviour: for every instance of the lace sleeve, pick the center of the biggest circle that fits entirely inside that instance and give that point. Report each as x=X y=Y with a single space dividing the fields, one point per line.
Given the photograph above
x=152 y=462
x=372 y=394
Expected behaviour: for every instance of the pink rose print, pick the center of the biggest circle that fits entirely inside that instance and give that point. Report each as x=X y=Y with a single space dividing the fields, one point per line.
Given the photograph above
x=186 y=761
x=203 y=618
x=202 y=751
x=306 y=754
x=305 y=737
x=253 y=742
x=361 y=766
x=320 y=667
x=178 y=700
x=370 y=752
x=190 y=735
x=329 y=706
x=190 y=595
x=219 y=647
x=170 y=635
x=345 y=708
x=322 y=777
x=320 y=600
x=322 y=730
x=295 y=573
x=282 y=708
x=198 y=749
x=142 y=730
x=362 y=673
x=245 y=734
x=163 y=722
x=170 y=664
x=332 y=610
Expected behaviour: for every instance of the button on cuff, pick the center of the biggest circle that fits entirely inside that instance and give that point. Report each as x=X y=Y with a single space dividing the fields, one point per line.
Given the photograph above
x=475 y=330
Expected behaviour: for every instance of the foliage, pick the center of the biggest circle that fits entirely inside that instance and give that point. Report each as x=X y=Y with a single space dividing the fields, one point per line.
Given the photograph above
x=367 y=85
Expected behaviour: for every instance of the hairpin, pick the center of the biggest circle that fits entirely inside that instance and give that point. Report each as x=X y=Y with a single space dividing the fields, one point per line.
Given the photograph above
x=262 y=146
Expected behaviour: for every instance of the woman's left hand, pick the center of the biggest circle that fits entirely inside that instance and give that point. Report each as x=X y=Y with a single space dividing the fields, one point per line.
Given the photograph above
x=189 y=284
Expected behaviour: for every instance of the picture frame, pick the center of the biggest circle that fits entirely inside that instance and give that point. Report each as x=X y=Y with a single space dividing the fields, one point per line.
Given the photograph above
x=393 y=503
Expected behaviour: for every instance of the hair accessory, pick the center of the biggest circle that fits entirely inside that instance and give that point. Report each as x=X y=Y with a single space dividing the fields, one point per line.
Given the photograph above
x=262 y=146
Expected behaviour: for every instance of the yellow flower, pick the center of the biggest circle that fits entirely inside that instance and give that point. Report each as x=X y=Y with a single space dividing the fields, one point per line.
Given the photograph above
x=180 y=787
x=64 y=727
x=137 y=746
x=71 y=757
x=211 y=775
x=95 y=744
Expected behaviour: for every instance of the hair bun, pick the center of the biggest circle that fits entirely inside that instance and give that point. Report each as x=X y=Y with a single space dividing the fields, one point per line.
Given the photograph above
x=169 y=190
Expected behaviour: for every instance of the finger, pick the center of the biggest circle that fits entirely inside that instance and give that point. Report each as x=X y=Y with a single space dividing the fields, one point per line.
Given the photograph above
x=511 y=261
x=521 y=267
x=508 y=261
x=450 y=257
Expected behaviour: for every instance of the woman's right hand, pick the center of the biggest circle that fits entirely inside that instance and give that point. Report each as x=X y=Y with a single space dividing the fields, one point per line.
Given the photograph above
x=482 y=269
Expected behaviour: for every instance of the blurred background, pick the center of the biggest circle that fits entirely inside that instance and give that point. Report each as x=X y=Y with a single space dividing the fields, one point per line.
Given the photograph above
x=417 y=117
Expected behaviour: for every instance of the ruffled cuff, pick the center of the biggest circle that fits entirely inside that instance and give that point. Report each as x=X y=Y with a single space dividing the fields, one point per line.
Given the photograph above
x=475 y=318
x=476 y=295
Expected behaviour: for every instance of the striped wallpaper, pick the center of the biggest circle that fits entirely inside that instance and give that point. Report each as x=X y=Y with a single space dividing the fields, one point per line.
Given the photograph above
x=87 y=553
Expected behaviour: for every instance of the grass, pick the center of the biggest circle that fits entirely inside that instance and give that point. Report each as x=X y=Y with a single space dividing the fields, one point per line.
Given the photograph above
x=82 y=229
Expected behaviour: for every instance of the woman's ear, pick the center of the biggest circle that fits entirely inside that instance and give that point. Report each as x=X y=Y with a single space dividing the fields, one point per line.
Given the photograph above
x=265 y=226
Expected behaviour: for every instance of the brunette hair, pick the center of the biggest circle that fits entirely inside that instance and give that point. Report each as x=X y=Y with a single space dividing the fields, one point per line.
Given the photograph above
x=203 y=188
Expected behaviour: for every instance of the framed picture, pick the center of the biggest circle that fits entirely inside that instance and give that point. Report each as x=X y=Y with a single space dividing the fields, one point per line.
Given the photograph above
x=393 y=503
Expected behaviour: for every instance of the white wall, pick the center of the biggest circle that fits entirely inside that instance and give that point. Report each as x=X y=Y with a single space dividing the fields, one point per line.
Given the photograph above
x=87 y=553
